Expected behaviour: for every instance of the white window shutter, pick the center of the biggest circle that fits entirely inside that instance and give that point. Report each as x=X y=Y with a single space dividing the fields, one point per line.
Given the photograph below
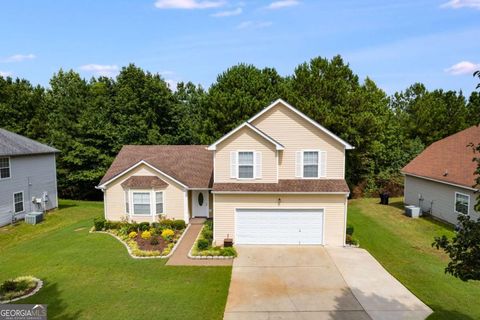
x=233 y=164
x=258 y=165
x=322 y=164
x=298 y=164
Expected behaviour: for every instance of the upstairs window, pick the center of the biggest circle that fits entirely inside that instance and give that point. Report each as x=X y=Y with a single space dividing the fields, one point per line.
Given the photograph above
x=245 y=165
x=4 y=168
x=310 y=164
x=462 y=202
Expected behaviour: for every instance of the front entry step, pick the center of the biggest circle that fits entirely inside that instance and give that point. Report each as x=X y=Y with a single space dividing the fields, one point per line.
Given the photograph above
x=197 y=221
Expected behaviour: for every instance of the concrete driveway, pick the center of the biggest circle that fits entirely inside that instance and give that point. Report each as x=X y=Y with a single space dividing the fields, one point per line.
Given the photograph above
x=314 y=282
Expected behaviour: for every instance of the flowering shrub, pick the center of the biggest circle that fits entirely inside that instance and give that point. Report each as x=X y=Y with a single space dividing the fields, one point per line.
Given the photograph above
x=167 y=234
x=146 y=235
x=132 y=235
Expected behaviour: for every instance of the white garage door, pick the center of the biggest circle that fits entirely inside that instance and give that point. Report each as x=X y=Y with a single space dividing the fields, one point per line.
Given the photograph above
x=279 y=226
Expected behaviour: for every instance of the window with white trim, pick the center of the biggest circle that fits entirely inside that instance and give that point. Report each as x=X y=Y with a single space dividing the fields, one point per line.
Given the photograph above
x=462 y=201
x=127 y=204
x=4 y=168
x=245 y=165
x=141 y=203
x=310 y=164
x=18 y=202
x=159 y=202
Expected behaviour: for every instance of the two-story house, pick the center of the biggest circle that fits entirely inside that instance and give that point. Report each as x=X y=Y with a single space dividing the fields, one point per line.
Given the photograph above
x=278 y=178
x=28 y=177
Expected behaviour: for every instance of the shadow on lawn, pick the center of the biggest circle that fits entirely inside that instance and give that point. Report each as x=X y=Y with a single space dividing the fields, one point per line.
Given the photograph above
x=56 y=307
x=351 y=306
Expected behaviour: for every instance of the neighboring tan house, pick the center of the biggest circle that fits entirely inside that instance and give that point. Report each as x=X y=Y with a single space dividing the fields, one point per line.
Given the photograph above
x=278 y=178
x=441 y=179
x=27 y=172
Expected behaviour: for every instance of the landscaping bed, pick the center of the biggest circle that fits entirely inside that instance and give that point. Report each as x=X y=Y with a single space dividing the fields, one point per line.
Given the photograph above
x=203 y=245
x=144 y=239
x=15 y=289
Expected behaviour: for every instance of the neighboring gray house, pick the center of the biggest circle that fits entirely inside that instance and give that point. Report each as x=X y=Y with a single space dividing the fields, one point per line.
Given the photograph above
x=441 y=179
x=28 y=178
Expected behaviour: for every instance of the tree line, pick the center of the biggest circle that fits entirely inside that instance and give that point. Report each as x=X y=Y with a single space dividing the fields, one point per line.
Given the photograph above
x=90 y=120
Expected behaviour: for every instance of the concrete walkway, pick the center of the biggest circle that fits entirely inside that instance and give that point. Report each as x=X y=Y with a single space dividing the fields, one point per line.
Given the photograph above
x=380 y=294
x=312 y=282
x=180 y=256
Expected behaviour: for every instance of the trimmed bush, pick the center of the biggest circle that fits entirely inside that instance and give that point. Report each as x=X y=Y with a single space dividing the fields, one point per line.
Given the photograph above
x=144 y=226
x=203 y=244
x=99 y=223
x=178 y=224
x=349 y=230
x=132 y=234
x=113 y=225
x=228 y=252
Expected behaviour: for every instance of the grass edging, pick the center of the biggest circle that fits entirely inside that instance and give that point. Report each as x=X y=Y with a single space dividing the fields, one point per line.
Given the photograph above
x=34 y=291
x=191 y=256
x=130 y=252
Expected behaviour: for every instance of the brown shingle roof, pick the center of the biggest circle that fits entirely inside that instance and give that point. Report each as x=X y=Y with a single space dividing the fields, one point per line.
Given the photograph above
x=327 y=185
x=449 y=159
x=136 y=182
x=192 y=165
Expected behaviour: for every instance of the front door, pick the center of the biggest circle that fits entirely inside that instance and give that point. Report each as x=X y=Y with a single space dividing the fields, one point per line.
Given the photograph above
x=200 y=203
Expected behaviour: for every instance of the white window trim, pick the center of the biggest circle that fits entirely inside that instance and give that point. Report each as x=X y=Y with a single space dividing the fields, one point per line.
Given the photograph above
x=163 y=202
x=238 y=164
x=153 y=202
x=23 y=202
x=9 y=169
x=455 y=203
x=318 y=164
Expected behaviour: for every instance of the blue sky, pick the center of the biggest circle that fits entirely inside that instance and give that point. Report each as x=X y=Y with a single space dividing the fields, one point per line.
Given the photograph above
x=396 y=43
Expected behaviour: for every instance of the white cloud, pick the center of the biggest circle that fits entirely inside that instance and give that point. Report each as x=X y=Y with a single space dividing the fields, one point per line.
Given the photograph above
x=229 y=13
x=172 y=84
x=101 y=69
x=5 y=74
x=457 y=4
x=283 y=4
x=19 y=58
x=254 y=24
x=463 y=67
x=188 y=4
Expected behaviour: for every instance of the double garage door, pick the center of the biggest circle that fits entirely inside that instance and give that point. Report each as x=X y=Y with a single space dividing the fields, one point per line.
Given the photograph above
x=279 y=226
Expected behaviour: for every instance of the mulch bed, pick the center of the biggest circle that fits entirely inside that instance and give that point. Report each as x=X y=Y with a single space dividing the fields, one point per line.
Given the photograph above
x=144 y=244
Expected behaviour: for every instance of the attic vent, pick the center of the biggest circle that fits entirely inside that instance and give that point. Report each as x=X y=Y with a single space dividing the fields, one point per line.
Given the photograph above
x=445 y=173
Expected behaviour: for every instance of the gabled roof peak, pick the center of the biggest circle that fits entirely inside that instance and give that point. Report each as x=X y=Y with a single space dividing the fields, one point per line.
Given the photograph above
x=302 y=115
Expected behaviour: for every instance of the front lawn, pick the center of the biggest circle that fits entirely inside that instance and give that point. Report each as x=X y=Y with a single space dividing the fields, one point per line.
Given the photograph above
x=403 y=246
x=91 y=276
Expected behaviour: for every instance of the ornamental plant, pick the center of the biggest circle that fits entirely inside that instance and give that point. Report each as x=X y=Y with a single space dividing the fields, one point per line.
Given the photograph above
x=167 y=234
x=146 y=235
x=132 y=235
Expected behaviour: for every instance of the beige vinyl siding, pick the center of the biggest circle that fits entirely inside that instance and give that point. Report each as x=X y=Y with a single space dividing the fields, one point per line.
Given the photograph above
x=442 y=195
x=245 y=140
x=226 y=204
x=115 y=197
x=297 y=134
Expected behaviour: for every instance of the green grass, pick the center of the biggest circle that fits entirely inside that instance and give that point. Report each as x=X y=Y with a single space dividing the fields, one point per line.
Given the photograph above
x=91 y=276
x=403 y=246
